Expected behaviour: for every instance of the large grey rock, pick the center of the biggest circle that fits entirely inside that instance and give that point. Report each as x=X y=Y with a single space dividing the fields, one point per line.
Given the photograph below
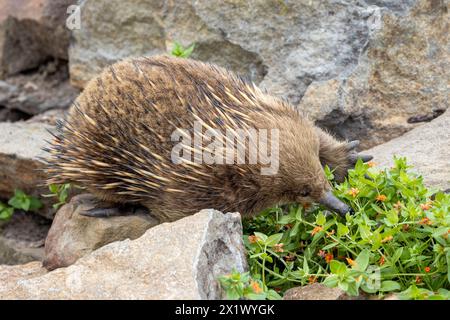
x=366 y=66
x=31 y=32
x=73 y=235
x=401 y=76
x=36 y=92
x=20 y=168
x=426 y=148
x=179 y=260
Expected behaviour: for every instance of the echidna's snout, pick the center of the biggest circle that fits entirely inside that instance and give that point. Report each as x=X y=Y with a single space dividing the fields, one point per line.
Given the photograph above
x=329 y=200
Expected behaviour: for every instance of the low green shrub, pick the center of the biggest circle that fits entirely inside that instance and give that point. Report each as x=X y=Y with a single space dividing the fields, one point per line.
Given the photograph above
x=396 y=241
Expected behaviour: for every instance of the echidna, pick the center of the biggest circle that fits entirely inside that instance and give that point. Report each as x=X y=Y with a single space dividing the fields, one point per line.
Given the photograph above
x=116 y=142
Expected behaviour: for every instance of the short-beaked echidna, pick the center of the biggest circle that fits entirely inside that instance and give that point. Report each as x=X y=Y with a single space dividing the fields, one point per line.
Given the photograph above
x=116 y=142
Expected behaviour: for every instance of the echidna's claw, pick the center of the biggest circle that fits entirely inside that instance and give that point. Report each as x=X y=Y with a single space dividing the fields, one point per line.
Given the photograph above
x=352 y=145
x=353 y=158
x=121 y=210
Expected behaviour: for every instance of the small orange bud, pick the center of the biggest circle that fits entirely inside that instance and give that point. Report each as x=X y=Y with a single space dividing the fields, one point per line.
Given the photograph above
x=351 y=262
x=381 y=197
x=316 y=230
x=427 y=269
x=353 y=192
x=312 y=279
x=256 y=288
x=418 y=279
x=329 y=257
x=278 y=247
x=425 y=220
x=426 y=206
x=382 y=261
x=371 y=164
x=253 y=239
x=386 y=239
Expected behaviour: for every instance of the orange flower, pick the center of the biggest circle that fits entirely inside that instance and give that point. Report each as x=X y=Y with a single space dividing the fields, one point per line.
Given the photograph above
x=278 y=247
x=256 y=288
x=312 y=279
x=425 y=220
x=427 y=269
x=329 y=257
x=382 y=261
x=353 y=192
x=253 y=239
x=381 y=197
x=316 y=230
x=386 y=239
x=351 y=262
x=371 y=164
x=426 y=206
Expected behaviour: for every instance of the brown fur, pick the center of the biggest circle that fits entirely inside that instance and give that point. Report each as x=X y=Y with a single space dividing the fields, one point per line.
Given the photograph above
x=116 y=141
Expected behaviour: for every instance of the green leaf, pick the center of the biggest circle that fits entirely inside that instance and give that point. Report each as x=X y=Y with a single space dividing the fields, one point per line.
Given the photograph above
x=362 y=260
x=337 y=267
x=331 y=281
x=321 y=219
x=447 y=256
x=389 y=285
x=342 y=230
x=273 y=239
x=261 y=236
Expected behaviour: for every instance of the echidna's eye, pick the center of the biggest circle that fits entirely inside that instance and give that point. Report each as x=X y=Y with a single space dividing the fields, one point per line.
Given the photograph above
x=306 y=191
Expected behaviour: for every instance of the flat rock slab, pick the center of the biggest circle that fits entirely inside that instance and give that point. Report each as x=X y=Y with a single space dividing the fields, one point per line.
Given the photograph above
x=426 y=148
x=20 y=147
x=316 y=291
x=179 y=260
x=73 y=235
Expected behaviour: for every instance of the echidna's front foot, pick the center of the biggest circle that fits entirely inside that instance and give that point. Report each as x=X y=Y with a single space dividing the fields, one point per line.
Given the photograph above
x=114 y=211
x=352 y=156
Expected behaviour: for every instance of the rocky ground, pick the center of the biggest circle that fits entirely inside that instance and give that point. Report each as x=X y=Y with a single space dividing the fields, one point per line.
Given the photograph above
x=376 y=71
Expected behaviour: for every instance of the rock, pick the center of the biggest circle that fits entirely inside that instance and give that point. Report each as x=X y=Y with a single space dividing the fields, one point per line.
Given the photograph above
x=360 y=68
x=36 y=92
x=31 y=32
x=315 y=291
x=402 y=72
x=20 y=147
x=426 y=148
x=22 y=238
x=49 y=117
x=73 y=235
x=179 y=260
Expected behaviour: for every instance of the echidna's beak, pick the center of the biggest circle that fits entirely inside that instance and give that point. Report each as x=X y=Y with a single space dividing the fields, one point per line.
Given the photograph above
x=331 y=202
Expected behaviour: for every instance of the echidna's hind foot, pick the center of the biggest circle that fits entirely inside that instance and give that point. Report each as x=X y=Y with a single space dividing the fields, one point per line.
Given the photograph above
x=114 y=210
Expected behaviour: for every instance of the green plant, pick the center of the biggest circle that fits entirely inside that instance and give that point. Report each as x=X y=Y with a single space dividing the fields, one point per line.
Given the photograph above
x=21 y=201
x=60 y=191
x=6 y=212
x=240 y=285
x=183 y=52
x=396 y=241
